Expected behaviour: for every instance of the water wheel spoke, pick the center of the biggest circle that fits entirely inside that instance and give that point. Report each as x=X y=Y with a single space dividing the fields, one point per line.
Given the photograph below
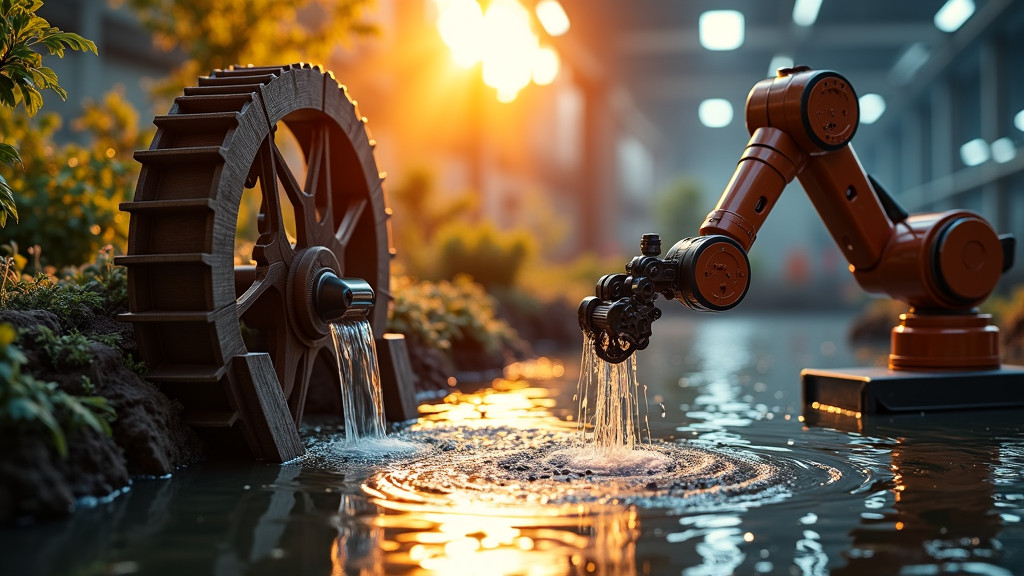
x=301 y=201
x=288 y=355
x=303 y=376
x=273 y=244
x=318 y=175
x=267 y=277
x=347 y=225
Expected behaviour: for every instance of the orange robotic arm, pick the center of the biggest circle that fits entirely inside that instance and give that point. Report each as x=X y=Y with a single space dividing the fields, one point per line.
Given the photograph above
x=801 y=123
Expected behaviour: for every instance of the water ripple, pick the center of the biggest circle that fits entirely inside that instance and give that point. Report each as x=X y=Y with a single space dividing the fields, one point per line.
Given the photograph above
x=508 y=468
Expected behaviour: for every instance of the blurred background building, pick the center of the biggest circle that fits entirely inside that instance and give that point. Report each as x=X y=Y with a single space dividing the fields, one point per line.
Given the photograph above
x=645 y=93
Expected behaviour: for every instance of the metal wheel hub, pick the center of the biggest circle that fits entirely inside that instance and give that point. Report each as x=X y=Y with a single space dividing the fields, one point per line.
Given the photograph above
x=318 y=295
x=304 y=278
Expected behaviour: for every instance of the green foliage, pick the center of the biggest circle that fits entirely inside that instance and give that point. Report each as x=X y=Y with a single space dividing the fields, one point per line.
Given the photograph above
x=679 y=211
x=64 y=352
x=23 y=76
x=96 y=288
x=8 y=157
x=219 y=33
x=67 y=300
x=78 y=186
x=102 y=277
x=490 y=257
x=137 y=366
x=30 y=406
x=87 y=386
x=447 y=315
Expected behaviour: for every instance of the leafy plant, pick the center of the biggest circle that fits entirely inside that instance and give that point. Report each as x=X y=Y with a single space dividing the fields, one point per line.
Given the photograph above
x=137 y=366
x=22 y=74
x=68 y=300
x=491 y=257
x=79 y=186
x=28 y=405
x=95 y=288
x=110 y=282
x=64 y=352
x=8 y=208
x=449 y=315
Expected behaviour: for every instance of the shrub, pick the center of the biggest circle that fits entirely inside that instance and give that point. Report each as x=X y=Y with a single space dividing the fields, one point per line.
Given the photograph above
x=450 y=316
x=78 y=186
x=63 y=352
x=95 y=288
x=490 y=257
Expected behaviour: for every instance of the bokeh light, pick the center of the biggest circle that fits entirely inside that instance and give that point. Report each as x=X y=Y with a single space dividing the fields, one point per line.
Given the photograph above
x=872 y=106
x=503 y=39
x=715 y=112
x=461 y=25
x=545 y=66
x=721 y=29
x=552 y=17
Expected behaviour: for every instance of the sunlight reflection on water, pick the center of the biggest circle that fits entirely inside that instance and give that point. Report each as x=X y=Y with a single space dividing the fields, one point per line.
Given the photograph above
x=507 y=477
x=737 y=479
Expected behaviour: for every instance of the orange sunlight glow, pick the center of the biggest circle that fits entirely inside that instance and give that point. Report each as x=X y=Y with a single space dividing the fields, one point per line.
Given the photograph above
x=502 y=38
x=552 y=17
x=545 y=66
x=460 y=23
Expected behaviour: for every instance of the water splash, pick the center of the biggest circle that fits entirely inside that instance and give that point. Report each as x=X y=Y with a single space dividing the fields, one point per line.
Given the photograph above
x=361 y=397
x=609 y=396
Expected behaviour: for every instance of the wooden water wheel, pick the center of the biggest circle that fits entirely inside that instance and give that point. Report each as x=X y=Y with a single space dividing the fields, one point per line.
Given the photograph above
x=241 y=345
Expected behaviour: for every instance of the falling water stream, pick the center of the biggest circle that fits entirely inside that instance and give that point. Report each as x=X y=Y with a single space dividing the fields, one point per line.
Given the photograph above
x=610 y=397
x=362 y=401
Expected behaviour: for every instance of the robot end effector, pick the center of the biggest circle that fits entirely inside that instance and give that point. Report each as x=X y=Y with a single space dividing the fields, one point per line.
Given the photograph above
x=705 y=273
x=801 y=123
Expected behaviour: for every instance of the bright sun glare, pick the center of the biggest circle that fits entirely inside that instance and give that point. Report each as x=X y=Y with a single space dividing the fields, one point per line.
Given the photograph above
x=502 y=39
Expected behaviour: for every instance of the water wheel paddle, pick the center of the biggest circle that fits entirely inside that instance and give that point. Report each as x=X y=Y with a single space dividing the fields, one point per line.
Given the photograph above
x=240 y=345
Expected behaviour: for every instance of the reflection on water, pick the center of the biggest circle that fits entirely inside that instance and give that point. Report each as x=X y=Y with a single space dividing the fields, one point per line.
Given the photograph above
x=600 y=539
x=733 y=481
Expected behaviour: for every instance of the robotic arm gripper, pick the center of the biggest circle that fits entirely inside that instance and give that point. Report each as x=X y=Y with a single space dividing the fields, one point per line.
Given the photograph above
x=801 y=123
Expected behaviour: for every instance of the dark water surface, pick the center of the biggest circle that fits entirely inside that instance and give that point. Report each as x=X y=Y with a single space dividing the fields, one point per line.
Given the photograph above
x=734 y=480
